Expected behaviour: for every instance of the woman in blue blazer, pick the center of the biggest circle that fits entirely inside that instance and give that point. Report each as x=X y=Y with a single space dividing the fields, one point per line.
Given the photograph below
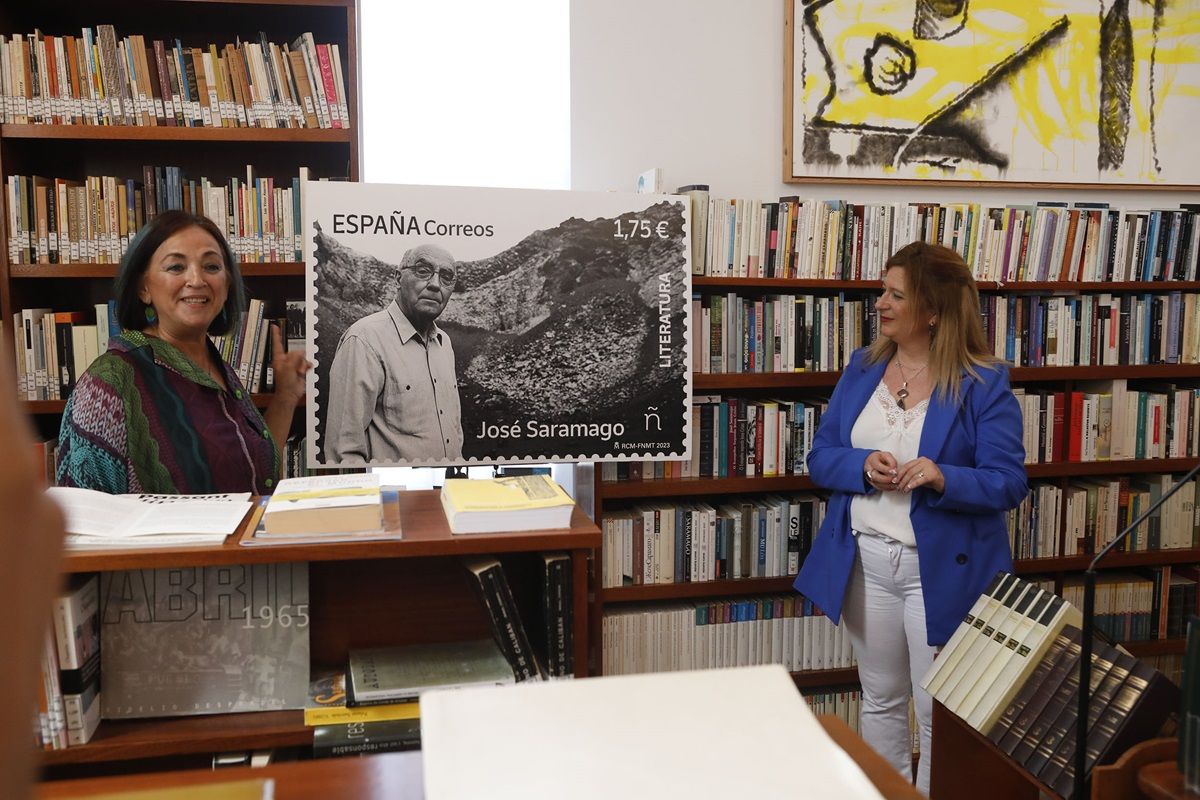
x=922 y=448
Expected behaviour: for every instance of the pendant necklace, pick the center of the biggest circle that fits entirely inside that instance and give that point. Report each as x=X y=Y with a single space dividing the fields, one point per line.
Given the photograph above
x=902 y=394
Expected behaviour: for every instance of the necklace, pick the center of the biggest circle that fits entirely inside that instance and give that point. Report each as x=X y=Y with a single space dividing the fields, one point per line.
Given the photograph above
x=902 y=394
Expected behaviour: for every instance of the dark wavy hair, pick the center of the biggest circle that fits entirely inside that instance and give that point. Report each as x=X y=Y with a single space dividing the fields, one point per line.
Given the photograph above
x=131 y=312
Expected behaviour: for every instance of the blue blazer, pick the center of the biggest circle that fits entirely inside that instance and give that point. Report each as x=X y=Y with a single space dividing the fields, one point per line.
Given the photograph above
x=962 y=538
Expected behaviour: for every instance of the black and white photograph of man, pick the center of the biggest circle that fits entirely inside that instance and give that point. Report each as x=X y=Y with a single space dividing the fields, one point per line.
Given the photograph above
x=454 y=326
x=393 y=393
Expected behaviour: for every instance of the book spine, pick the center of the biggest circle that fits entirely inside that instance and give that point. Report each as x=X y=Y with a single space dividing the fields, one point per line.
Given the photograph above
x=506 y=624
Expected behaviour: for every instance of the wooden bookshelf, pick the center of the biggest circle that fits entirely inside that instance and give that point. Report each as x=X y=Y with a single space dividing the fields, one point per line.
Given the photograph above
x=612 y=496
x=735 y=381
x=791 y=285
x=679 y=591
x=218 y=153
x=690 y=487
x=162 y=133
x=362 y=594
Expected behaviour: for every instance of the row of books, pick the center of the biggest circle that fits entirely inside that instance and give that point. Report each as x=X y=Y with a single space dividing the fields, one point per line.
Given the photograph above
x=97 y=78
x=845 y=704
x=1034 y=331
x=1110 y=420
x=770 y=629
x=833 y=239
x=68 y=711
x=64 y=221
x=759 y=537
x=741 y=437
x=1131 y=606
x=1090 y=512
x=779 y=333
x=813 y=333
x=1010 y=671
x=54 y=348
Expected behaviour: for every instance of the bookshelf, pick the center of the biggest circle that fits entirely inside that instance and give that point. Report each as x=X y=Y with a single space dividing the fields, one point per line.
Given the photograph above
x=614 y=496
x=74 y=151
x=362 y=594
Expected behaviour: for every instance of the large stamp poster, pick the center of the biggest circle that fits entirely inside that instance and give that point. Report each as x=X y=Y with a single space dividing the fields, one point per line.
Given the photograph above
x=467 y=325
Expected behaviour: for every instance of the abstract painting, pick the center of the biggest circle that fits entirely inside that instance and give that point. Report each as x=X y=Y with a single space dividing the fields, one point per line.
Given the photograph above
x=1067 y=92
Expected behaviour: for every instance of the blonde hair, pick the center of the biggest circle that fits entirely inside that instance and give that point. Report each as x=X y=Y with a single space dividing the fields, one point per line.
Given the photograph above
x=940 y=284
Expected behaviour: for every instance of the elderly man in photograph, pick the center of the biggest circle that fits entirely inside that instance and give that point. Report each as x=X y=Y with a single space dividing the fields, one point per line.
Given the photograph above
x=393 y=392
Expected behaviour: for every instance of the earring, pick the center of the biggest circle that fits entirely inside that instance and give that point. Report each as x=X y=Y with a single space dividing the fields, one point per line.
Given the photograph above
x=151 y=316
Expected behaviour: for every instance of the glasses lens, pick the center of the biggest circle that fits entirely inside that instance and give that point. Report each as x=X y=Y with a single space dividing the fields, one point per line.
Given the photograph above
x=447 y=277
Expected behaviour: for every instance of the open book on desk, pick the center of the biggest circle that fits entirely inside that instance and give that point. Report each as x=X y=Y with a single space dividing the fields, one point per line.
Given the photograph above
x=95 y=519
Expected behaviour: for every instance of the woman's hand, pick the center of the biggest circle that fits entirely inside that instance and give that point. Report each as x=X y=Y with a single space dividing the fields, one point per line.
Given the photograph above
x=920 y=472
x=880 y=469
x=290 y=369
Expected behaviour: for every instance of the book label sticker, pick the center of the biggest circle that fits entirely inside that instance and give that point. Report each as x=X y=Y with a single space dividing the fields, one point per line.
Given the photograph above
x=453 y=325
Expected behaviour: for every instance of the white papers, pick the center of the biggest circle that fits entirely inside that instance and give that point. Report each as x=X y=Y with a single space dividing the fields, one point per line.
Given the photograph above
x=96 y=519
x=650 y=728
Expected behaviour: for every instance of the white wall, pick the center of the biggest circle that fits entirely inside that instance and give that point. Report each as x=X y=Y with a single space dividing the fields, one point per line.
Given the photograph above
x=696 y=87
x=466 y=92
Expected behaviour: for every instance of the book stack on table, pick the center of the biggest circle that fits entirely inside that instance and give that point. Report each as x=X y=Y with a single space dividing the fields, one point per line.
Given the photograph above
x=373 y=706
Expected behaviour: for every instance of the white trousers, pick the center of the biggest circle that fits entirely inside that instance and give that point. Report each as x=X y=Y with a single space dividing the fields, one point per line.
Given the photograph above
x=884 y=613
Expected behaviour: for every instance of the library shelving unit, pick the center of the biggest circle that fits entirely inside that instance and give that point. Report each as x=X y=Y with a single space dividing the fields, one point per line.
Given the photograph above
x=219 y=153
x=361 y=594
x=611 y=495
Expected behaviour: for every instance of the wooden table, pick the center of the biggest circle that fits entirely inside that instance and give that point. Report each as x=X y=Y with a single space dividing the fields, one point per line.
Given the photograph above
x=398 y=776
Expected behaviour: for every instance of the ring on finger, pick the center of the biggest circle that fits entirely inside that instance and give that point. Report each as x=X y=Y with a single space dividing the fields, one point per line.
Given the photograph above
x=920 y=475
x=869 y=476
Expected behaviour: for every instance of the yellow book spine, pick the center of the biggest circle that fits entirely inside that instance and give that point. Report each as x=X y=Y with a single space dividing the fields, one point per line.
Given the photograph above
x=337 y=715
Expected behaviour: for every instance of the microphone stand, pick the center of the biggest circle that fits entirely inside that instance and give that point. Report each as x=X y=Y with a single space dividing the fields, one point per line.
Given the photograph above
x=1089 y=627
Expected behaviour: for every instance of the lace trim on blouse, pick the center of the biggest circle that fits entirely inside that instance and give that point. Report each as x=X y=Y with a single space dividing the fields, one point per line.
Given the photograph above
x=895 y=414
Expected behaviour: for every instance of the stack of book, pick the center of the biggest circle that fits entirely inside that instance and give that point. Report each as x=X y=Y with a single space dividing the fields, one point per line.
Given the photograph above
x=1011 y=671
x=519 y=503
x=371 y=705
x=69 y=692
x=324 y=508
x=341 y=728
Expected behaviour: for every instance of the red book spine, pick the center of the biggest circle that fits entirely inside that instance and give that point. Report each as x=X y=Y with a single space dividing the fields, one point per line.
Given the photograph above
x=758 y=438
x=327 y=80
x=1060 y=413
x=1075 y=441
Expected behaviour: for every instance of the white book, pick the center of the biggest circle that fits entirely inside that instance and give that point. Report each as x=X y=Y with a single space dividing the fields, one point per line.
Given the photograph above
x=1026 y=648
x=1013 y=629
x=959 y=685
x=320 y=504
x=138 y=518
x=983 y=607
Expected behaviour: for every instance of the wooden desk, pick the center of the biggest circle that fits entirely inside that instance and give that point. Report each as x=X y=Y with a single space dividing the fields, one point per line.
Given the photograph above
x=398 y=776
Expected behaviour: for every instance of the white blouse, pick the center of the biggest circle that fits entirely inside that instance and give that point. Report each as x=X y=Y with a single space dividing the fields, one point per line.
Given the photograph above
x=885 y=426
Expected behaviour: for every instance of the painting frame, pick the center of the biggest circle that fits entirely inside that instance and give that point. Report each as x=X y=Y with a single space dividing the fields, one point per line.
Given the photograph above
x=796 y=170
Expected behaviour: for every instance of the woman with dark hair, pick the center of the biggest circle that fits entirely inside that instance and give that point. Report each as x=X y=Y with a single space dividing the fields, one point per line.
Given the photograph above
x=161 y=412
x=922 y=449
